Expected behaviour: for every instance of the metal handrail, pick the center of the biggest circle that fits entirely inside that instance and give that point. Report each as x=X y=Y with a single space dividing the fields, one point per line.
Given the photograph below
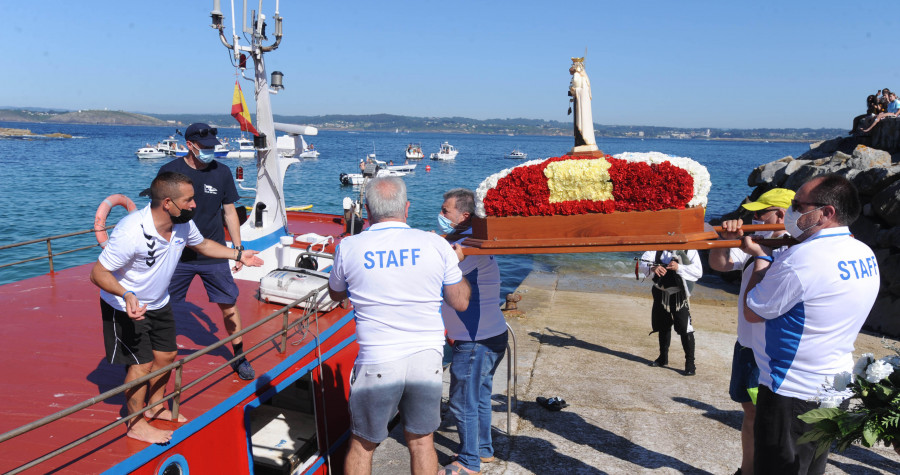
x=50 y=255
x=312 y=308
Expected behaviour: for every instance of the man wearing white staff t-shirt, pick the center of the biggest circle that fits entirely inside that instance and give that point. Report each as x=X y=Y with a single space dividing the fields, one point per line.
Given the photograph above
x=133 y=273
x=396 y=278
x=814 y=297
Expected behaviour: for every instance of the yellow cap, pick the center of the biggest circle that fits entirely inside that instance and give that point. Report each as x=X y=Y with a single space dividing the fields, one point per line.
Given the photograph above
x=778 y=197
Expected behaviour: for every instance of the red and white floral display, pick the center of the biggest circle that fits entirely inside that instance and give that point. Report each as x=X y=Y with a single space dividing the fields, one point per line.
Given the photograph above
x=571 y=185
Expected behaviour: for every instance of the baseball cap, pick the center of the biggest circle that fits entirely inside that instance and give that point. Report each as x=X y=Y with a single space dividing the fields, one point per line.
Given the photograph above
x=203 y=134
x=778 y=197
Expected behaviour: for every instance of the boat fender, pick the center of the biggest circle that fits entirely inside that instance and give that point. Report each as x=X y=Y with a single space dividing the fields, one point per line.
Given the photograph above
x=103 y=211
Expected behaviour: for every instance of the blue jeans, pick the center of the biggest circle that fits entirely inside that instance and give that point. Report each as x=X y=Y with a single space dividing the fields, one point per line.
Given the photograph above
x=471 y=381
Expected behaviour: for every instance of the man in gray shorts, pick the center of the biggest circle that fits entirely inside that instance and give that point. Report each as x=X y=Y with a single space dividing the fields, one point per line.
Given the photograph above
x=396 y=278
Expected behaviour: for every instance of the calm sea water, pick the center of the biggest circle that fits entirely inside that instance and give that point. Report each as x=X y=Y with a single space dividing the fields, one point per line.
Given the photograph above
x=53 y=187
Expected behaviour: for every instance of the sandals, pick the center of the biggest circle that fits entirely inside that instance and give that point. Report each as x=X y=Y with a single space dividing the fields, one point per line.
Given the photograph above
x=455 y=468
x=552 y=404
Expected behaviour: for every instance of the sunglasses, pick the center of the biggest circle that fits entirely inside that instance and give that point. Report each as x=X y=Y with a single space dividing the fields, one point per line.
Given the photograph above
x=205 y=132
x=758 y=214
x=796 y=205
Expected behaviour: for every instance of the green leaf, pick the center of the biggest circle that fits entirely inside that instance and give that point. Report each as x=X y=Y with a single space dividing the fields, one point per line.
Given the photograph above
x=869 y=436
x=817 y=415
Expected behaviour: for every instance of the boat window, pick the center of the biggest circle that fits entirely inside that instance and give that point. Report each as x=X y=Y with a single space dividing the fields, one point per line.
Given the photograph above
x=174 y=465
x=283 y=430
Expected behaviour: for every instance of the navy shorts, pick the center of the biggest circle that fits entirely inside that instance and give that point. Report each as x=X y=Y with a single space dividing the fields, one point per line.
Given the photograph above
x=131 y=342
x=744 y=374
x=217 y=279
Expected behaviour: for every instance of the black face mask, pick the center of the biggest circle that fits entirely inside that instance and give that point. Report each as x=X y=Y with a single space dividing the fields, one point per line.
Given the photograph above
x=185 y=216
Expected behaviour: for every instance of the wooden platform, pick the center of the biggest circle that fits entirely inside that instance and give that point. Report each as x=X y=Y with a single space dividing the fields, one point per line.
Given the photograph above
x=613 y=232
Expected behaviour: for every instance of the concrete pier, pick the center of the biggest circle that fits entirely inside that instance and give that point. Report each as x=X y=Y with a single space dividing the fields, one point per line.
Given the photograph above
x=586 y=340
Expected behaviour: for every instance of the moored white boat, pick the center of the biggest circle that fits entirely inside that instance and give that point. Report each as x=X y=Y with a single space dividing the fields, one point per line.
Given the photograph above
x=245 y=149
x=357 y=179
x=171 y=147
x=516 y=154
x=149 y=152
x=414 y=152
x=447 y=152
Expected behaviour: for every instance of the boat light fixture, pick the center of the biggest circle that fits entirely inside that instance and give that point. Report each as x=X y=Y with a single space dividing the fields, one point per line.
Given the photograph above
x=239 y=174
x=277 y=78
x=216 y=15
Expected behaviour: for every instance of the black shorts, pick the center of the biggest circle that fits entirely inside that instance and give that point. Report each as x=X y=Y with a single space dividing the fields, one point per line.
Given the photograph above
x=130 y=341
x=775 y=433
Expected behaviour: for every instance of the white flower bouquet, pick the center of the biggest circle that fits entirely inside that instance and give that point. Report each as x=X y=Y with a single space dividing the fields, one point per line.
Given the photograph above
x=873 y=414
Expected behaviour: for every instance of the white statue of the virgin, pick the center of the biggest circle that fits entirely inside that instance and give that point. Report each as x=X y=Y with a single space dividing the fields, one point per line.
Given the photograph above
x=580 y=91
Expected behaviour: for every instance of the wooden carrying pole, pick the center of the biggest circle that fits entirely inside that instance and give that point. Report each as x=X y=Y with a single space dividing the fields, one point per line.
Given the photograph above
x=621 y=244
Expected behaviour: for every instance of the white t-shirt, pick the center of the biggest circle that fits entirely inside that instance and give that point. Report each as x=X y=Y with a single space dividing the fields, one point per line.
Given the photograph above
x=483 y=319
x=815 y=297
x=395 y=277
x=691 y=272
x=142 y=261
x=745 y=329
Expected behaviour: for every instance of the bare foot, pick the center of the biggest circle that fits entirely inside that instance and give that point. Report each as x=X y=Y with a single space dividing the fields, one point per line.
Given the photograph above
x=163 y=414
x=144 y=432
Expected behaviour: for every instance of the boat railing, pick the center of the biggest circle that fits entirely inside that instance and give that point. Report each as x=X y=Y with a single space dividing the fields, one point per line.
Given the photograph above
x=50 y=254
x=311 y=308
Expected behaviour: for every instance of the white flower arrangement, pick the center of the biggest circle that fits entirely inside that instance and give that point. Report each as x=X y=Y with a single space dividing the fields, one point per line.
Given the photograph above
x=874 y=418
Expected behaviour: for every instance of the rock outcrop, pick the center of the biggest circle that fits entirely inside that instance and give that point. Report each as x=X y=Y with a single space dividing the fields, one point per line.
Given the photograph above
x=876 y=173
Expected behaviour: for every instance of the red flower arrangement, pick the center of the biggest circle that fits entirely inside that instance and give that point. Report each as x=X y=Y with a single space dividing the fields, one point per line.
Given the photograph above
x=637 y=186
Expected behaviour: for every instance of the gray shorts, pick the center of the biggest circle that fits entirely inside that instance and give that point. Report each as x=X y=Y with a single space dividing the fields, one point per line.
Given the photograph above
x=412 y=385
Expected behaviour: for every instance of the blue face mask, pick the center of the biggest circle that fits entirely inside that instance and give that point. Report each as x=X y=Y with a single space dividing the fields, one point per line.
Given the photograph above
x=446 y=226
x=206 y=155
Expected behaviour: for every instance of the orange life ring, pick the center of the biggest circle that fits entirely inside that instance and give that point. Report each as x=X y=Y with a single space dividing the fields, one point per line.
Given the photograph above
x=103 y=212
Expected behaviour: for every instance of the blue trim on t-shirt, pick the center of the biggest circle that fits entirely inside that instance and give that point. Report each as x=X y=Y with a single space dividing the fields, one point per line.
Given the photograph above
x=783 y=335
x=471 y=316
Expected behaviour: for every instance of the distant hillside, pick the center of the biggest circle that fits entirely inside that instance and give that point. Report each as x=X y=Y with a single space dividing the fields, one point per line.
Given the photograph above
x=391 y=123
x=103 y=117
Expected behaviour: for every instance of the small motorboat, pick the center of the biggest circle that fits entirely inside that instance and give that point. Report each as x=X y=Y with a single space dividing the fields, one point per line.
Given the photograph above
x=414 y=152
x=448 y=152
x=245 y=149
x=172 y=148
x=357 y=179
x=405 y=167
x=149 y=152
x=516 y=154
x=308 y=150
x=222 y=149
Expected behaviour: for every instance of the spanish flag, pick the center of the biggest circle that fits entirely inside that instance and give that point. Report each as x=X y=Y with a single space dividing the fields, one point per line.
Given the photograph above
x=239 y=110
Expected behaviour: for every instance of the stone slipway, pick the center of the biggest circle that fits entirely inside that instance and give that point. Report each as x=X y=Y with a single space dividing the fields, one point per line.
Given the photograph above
x=585 y=339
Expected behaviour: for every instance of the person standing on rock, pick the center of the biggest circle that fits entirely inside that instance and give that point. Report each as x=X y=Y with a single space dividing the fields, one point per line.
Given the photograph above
x=674 y=274
x=768 y=209
x=479 y=340
x=813 y=299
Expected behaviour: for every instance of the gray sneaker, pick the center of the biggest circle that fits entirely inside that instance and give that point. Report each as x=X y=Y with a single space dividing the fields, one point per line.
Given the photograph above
x=243 y=369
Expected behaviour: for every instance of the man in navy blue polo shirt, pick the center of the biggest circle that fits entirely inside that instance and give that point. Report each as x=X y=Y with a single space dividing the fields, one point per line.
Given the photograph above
x=215 y=194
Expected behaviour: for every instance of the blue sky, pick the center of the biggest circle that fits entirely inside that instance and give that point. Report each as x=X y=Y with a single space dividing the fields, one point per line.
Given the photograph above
x=680 y=64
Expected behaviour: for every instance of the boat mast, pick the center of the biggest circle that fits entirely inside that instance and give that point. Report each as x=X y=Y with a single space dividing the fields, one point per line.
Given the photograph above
x=268 y=218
